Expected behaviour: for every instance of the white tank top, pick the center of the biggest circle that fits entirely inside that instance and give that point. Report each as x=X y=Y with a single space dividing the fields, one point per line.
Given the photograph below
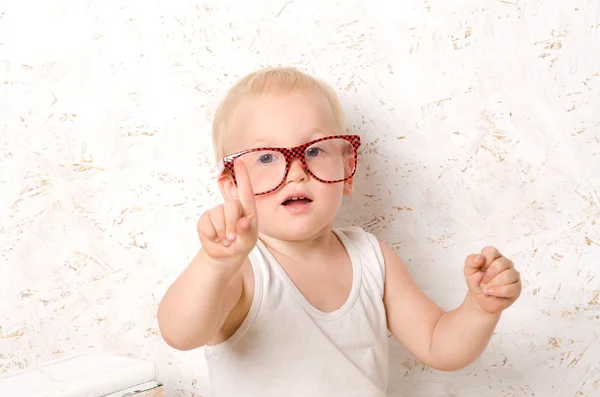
x=287 y=347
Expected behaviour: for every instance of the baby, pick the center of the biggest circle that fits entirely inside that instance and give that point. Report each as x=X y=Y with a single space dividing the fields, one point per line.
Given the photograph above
x=284 y=303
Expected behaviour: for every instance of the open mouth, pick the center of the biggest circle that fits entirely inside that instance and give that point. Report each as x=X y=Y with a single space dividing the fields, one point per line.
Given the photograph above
x=293 y=201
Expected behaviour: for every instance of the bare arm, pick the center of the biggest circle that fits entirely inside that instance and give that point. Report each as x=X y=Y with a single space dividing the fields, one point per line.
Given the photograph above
x=197 y=304
x=443 y=340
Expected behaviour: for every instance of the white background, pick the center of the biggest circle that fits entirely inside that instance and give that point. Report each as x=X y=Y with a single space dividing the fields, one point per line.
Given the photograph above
x=480 y=121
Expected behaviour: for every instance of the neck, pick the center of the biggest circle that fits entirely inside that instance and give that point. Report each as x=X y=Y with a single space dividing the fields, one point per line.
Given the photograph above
x=316 y=245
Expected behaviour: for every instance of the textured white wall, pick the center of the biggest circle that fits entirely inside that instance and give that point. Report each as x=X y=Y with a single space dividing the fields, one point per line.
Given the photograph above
x=481 y=122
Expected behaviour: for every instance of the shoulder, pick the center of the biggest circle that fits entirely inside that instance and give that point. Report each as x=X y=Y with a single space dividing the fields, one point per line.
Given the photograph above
x=358 y=234
x=389 y=255
x=386 y=256
x=367 y=250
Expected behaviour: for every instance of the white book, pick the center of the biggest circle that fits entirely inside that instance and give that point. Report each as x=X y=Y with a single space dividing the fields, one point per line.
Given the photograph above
x=89 y=375
x=132 y=391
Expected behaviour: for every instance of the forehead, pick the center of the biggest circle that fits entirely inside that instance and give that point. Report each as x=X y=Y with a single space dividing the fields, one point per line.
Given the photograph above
x=281 y=120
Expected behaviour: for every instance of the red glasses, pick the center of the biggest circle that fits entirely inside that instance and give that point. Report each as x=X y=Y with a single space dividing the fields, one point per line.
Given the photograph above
x=330 y=159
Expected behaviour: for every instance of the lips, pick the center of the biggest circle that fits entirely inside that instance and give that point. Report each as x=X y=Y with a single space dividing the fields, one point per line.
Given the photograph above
x=296 y=199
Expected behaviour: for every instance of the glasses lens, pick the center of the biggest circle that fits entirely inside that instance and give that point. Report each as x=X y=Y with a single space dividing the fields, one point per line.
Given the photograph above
x=331 y=160
x=266 y=169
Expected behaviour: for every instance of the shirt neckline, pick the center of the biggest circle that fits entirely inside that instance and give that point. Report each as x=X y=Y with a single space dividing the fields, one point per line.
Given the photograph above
x=301 y=299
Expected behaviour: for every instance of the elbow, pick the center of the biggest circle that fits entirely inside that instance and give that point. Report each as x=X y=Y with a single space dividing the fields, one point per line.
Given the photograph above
x=170 y=334
x=448 y=366
x=175 y=338
x=170 y=339
x=178 y=342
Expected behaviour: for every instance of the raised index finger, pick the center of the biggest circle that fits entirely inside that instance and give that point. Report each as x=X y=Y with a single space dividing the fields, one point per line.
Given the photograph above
x=244 y=186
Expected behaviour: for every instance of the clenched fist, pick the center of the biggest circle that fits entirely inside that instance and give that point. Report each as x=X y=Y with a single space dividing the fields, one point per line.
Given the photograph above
x=229 y=231
x=493 y=280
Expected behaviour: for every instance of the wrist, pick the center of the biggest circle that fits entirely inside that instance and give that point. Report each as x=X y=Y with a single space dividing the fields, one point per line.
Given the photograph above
x=218 y=270
x=470 y=303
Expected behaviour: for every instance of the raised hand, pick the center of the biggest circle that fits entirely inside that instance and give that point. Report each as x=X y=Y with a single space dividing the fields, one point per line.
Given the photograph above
x=492 y=279
x=229 y=231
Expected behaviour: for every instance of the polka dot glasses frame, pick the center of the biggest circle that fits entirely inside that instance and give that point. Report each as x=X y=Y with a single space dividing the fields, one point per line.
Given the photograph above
x=306 y=153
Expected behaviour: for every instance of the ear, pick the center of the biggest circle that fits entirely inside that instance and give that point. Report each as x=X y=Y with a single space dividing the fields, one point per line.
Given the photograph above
x=349 y=187
x=227 y=186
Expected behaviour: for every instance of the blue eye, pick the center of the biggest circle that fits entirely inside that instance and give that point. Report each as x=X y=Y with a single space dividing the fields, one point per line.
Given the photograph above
x=266 y=159
x=313 y=152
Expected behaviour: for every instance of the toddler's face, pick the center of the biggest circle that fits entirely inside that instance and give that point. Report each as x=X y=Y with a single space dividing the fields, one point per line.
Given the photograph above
x=287 y=120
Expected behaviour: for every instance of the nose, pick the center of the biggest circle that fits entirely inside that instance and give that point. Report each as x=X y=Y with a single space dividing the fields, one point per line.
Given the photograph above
x=297 y=172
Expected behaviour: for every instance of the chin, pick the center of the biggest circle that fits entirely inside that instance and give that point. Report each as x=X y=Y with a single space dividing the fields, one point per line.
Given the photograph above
x=297 y=229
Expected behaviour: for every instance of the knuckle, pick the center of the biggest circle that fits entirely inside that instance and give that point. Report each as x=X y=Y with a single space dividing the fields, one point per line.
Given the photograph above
x=490 y=250
x=204 y=224
x=204 y=217
x=503 y=263
x=213 y=213
x=496 y=267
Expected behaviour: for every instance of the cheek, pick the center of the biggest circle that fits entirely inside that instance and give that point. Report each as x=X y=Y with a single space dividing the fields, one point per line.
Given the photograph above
x=265 y=204
x=332 y=193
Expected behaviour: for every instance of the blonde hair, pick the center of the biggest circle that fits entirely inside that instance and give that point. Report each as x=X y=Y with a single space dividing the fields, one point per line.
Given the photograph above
x=268 y=80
